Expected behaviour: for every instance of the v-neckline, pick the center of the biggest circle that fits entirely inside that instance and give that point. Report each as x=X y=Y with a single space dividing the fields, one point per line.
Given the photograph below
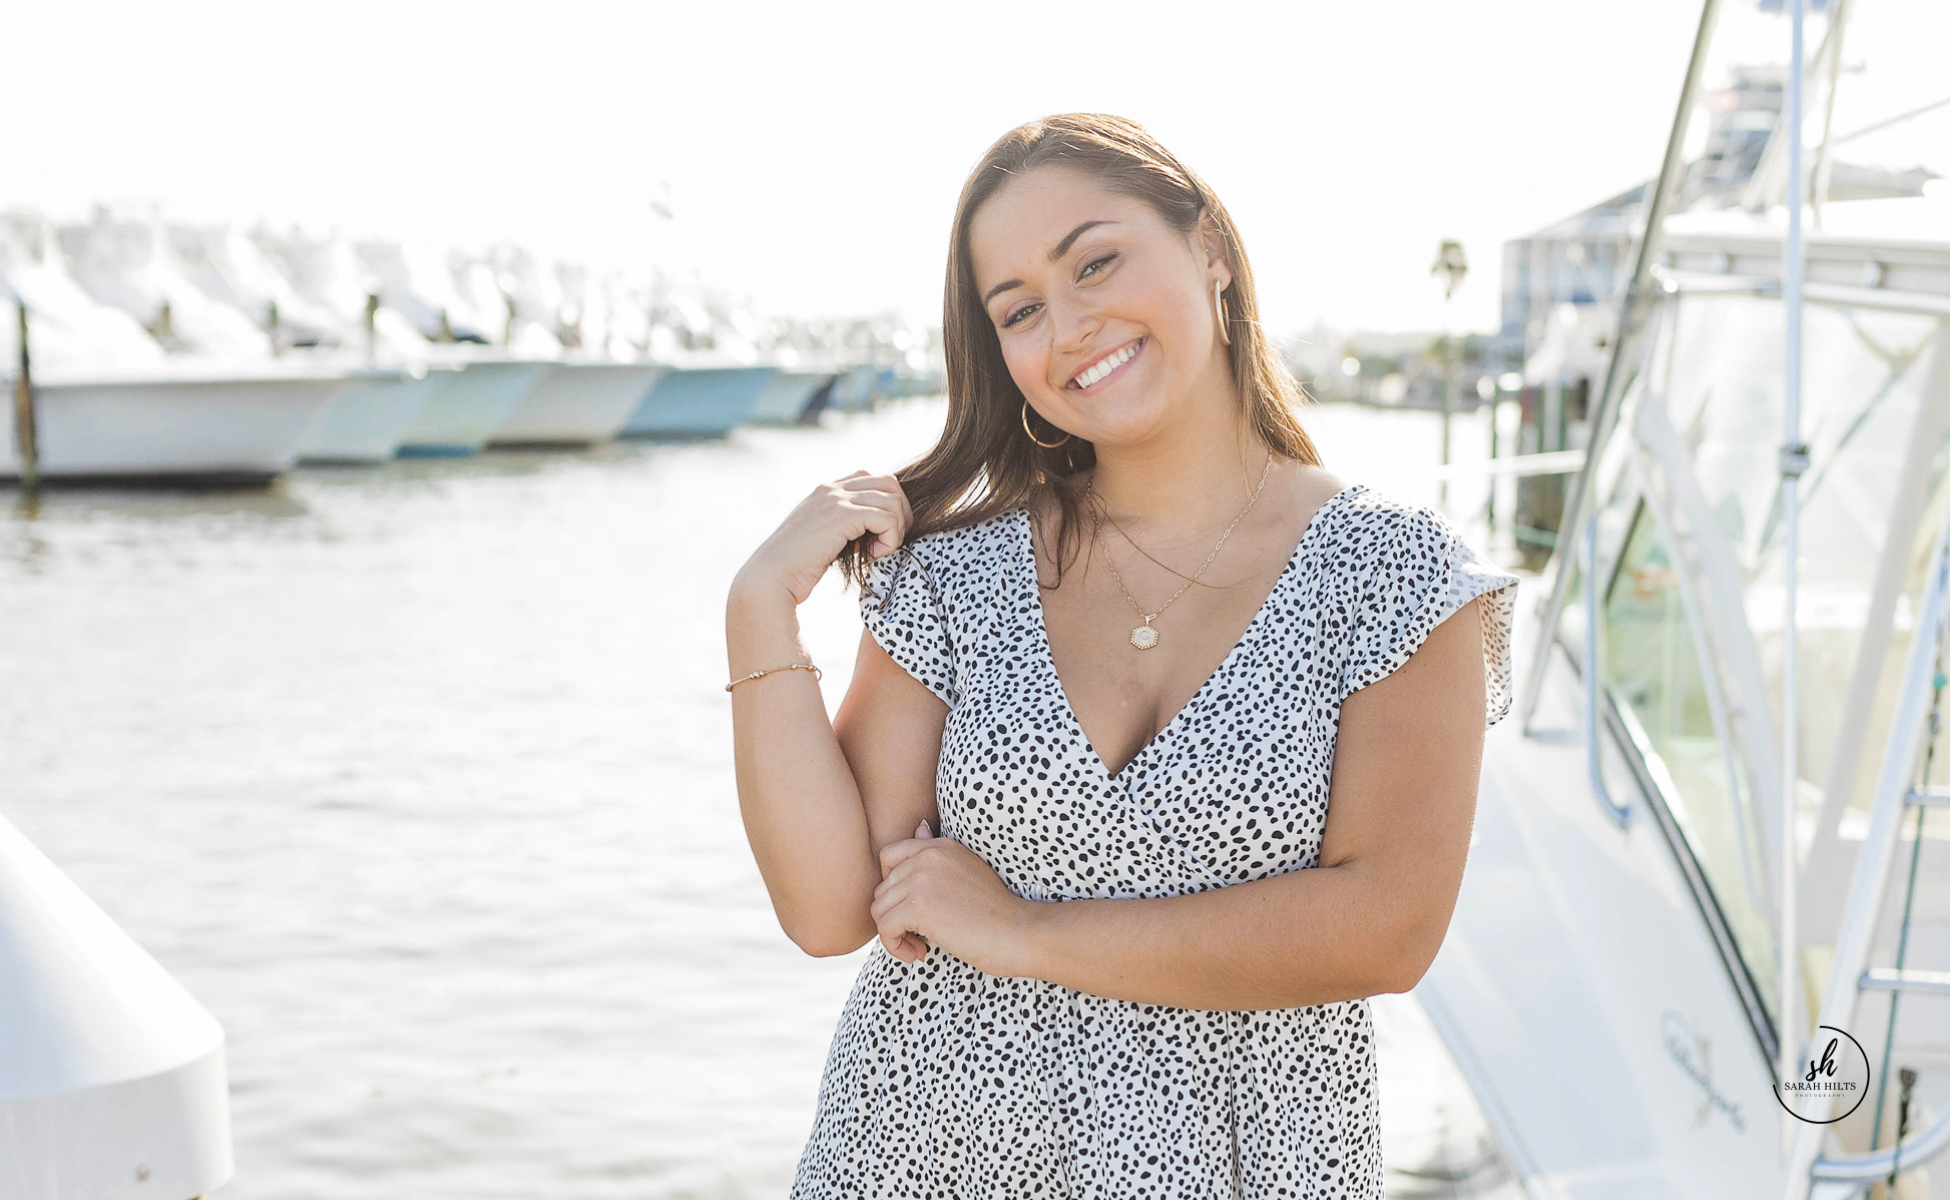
x=1027 y=560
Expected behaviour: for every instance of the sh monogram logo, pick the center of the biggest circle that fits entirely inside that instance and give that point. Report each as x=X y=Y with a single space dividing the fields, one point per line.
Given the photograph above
x=1836 y=1077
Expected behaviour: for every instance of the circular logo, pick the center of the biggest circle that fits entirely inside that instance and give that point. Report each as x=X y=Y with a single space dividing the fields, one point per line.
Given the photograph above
x=1831 y=1084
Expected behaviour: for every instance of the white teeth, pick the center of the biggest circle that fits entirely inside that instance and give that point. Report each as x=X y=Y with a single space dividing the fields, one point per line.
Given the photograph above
x=1090 y=377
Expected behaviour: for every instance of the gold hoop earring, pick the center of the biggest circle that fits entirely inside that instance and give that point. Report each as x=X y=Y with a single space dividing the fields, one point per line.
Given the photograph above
x=1219 y=306
x=1032 y=433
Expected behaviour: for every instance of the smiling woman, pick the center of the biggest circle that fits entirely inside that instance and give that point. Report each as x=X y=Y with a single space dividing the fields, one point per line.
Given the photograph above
x=1113 y=212
x=1179 y=843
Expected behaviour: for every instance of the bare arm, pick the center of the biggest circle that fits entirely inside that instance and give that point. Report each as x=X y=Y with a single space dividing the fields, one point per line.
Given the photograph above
x=820 y=798
x=1368 y=919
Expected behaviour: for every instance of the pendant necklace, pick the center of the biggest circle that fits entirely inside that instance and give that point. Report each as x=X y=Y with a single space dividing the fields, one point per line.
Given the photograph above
x=1145 y=636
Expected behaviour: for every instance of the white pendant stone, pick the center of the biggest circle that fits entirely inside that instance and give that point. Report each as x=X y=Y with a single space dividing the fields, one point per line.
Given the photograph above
x=1144 y=637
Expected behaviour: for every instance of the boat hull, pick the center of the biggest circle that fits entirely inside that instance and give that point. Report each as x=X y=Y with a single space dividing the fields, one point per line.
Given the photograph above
x=699 y=402
x=1581 y=991
x=820 y=401
x=854 y=391
x=578 y=404
x=785 y=400
x=224 y=431
x=367 y=420
x=469 y=408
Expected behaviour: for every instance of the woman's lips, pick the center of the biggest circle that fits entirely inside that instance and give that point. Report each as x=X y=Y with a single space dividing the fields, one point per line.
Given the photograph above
x=1106 y=366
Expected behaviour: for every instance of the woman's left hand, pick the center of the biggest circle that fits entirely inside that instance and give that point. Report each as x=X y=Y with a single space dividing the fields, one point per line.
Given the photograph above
x=938 y=889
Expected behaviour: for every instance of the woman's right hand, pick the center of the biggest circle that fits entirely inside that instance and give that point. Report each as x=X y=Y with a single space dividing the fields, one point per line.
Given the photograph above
x=796 y=556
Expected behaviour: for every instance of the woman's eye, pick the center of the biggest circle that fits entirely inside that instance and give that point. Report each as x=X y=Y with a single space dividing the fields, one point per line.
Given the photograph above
x=1094 y=264
x=1025 y=311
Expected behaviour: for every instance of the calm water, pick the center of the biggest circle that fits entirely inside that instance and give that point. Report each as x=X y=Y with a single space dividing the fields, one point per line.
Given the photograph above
x=419 y=777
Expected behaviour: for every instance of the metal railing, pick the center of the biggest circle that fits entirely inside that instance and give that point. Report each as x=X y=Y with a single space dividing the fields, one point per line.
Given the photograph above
x=1625 y=349
x=1812 y=1174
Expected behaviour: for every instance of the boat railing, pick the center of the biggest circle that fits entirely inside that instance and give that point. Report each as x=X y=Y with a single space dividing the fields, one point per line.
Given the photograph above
x=1549 y=462
x=1626 y=348
x=1706 y=283
x=1594 y=768
x=1824 y=1176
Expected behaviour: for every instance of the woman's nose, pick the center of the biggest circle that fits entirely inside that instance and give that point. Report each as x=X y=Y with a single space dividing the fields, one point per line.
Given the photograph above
x=1071 y=324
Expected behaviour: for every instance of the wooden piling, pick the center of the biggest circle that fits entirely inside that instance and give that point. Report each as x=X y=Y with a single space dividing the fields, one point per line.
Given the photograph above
x=27 y=442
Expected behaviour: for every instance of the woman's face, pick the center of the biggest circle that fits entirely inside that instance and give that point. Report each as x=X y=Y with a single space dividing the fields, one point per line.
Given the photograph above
x=1104 y=310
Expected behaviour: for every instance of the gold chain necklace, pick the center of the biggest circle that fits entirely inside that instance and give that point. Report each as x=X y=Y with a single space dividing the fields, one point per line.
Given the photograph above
x=1145 y=636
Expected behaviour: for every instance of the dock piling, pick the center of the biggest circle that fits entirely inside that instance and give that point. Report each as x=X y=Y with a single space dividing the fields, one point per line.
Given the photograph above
x=27 y=440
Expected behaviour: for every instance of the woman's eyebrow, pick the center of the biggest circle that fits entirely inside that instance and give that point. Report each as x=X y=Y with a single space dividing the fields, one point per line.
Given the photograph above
x=1062 y=248
x=1069 y=239
x=998 y=289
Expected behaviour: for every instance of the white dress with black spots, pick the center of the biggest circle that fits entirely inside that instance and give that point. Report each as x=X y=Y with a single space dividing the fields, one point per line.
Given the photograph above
x=945 y=1081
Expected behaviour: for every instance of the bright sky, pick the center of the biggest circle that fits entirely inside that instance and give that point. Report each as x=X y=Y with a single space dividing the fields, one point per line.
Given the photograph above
x=812 y=152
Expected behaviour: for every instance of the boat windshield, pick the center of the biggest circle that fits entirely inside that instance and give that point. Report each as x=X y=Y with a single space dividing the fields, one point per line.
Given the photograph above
x=1864 y=376
x=1692 y=598
x=1656 y=667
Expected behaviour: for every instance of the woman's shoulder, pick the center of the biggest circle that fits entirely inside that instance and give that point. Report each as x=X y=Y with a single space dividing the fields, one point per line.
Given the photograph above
x=970 y=543
x=1370 y=526
x=1386 y=544
x=956 y=560
x=1383 y=542
x=1408 y=568
x=1369 y=508
x=1388 y=528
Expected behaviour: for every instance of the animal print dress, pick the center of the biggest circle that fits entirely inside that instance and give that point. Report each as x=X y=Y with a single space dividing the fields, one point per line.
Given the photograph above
x=945 y=1081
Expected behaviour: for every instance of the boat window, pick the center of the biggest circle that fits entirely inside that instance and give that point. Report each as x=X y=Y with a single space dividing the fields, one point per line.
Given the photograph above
x=1653 y=667
x=1617 y=484
x=1863 y=378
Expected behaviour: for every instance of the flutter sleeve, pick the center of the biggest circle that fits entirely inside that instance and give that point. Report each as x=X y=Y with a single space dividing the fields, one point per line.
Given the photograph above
x=1422 y=571
x=904 y=612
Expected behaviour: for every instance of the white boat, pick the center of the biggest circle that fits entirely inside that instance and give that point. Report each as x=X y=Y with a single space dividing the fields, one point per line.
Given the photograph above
x=415 y=282
x=1613 y=983
x=112 y=1077
x=130 y=262
x=699 y=401
x=600 y=317
x=233 y=270
x=854 y=391
x=786 y=398
x=196 y=423
x=368 y=419
x=110 y=405
x=374 y=317
x=70 y=329
x=312 y=298
x=578 y=403
x=820 y=400
x=469 y=407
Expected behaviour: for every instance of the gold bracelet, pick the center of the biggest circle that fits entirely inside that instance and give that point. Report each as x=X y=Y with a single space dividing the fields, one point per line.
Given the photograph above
x=767 y=671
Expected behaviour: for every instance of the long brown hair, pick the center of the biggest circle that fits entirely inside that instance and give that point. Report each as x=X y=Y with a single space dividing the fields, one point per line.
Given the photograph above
x=982 y=440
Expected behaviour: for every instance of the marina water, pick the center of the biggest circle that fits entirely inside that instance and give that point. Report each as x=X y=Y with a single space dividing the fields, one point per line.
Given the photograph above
x=419 y=777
